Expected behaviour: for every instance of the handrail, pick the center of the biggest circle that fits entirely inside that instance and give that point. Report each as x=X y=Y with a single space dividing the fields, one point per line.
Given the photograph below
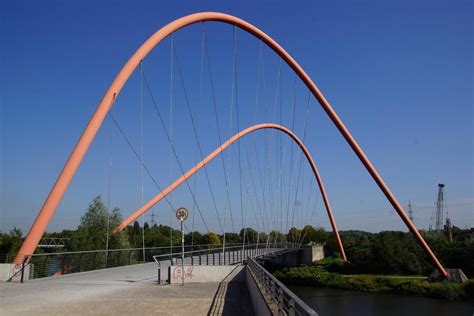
x=248 y=246
x=123 y=249
x=286 y=301
x=59 y=263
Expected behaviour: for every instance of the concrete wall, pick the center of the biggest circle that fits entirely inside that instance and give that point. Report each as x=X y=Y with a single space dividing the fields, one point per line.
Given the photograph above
x=259 y=304
x=206 y=274
x=6 y=271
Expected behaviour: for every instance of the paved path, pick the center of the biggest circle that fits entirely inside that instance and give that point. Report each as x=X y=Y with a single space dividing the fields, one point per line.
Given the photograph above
x=125 y=290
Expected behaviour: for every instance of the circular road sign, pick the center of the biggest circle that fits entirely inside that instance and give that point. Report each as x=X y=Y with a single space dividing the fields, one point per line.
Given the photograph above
x=182 y=214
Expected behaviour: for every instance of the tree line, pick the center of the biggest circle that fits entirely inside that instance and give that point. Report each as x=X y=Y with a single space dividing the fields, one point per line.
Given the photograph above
x=387 y=252
x=95 y=233
x=396 y=252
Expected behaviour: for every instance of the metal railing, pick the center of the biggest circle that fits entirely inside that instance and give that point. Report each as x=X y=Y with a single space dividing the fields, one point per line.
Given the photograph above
x=219 y=256
x=284 y=301
x=61 y=263
x=215 y=257
x=5 y=258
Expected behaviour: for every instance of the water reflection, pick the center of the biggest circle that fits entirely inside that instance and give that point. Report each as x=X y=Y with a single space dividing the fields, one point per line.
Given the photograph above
x=340 y=302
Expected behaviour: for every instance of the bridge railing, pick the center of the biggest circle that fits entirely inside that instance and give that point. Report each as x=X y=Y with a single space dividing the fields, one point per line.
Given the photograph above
x=219 y=256
x=282 y=299
x=61 y=263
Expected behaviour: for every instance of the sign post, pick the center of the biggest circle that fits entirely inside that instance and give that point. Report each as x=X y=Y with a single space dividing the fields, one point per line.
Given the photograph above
x=182 y=214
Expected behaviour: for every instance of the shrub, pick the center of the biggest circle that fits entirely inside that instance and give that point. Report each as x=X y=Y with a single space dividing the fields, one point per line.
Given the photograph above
x=469 y=288
x=444 y=290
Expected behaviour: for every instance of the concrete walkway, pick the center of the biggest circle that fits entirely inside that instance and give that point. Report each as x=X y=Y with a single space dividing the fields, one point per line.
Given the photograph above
x=124 y=290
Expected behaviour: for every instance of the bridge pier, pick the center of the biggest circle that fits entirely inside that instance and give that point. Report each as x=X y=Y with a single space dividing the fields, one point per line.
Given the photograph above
x=304 y=255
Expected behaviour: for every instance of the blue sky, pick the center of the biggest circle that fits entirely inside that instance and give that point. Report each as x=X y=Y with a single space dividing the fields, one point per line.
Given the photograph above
x=398 y=73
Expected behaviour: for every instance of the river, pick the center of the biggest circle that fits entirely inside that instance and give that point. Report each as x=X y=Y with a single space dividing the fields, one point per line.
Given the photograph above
x=341 y=302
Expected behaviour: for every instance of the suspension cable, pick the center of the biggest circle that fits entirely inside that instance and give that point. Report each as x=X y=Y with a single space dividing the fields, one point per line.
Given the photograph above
x=170 y=138
x=310 y=220
x=301 y=158
x=251 y=180
x=188 y=104
x=137 y=155
x=214 y=103
x=141 y=158
x=197 y=151
x=173 y=149
x=231 y=112
x=284 y=161
x=109 y=185
x=260 y=77
x=238 y=145
x=290 y=178
x=270 y=175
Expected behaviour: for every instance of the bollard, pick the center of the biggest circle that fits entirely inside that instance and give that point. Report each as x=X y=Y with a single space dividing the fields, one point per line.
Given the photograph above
x=62 y=264
x=80 y=262
x=130 y=257
x=44 y=265
x=94 y=261
x=159 y=274
x=22 y=270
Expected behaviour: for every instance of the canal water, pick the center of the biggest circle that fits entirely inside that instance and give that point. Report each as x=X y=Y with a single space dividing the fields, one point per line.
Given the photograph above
x=329 y=302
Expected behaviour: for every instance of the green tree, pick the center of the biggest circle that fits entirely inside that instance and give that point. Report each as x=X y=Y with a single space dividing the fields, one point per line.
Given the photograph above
x=211 y=238
x=232 y=238
x=194 y=238
x=91 y=233
x=317 y=235
x=294 y=234
x=10 y=243
x=277 y=236
x=251 y=235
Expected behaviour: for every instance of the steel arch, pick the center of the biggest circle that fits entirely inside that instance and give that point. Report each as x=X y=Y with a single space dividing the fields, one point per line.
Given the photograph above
x=66 y=175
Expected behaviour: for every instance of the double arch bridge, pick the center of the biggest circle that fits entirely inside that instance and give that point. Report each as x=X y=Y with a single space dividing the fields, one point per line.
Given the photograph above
x=65 y=177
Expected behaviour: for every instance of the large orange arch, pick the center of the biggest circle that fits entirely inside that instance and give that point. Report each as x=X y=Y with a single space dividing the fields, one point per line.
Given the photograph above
x=157 y=198
x=66 y=175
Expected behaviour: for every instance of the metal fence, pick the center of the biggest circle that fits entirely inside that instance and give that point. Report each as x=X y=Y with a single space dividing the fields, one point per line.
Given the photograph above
x=4 y=258
x=229 y=255
x=285 y=301
x=55 y=264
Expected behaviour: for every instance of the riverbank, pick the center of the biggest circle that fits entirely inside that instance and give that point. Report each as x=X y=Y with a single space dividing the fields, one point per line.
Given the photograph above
x=317 y=274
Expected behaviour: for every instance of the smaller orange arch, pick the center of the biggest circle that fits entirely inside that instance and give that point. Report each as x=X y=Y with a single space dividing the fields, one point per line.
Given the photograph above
x=157 y=198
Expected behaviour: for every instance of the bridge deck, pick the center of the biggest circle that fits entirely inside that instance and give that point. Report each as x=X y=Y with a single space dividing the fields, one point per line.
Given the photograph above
x=121 y=290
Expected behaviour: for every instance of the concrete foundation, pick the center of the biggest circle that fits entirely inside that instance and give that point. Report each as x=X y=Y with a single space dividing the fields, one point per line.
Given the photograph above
x=7 y=270
x=305 y=255
x=454 y=275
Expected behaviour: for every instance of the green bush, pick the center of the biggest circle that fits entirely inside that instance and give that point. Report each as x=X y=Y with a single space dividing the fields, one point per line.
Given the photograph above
x=469 y=288
x=444 y=290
